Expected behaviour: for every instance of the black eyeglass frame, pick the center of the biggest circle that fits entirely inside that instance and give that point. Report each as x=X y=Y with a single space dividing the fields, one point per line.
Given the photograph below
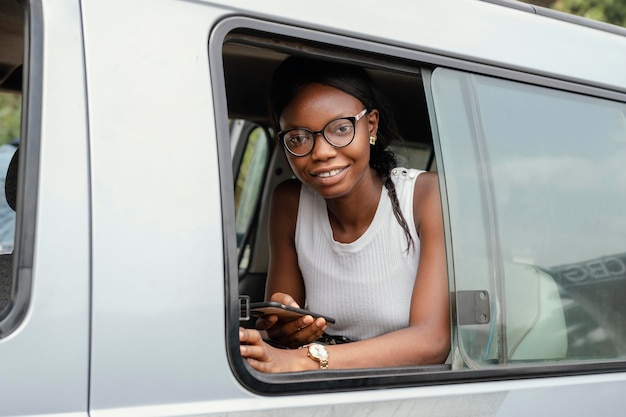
x=352 y=119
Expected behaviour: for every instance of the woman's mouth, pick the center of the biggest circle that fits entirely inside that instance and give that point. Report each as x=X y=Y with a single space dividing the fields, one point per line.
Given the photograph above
x=330 y=173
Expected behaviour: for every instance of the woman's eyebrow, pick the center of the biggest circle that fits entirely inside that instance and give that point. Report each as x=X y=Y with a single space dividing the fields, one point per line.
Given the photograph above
x=292 y=127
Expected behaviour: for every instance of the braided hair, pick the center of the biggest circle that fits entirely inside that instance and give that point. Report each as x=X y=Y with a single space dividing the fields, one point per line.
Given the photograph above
x=294 y=73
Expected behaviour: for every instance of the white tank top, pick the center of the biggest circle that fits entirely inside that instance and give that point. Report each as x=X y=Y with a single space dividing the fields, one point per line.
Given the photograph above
x=365 y=285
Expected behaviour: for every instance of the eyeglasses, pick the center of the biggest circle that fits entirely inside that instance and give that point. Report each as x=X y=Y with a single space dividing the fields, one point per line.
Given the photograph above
x=338 y=133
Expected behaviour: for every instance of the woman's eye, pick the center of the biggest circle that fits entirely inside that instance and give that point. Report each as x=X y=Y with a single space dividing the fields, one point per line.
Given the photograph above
x=298 y=139
x=342 y=128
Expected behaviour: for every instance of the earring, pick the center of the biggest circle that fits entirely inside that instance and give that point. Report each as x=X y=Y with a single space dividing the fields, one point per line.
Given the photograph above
x=372 y=140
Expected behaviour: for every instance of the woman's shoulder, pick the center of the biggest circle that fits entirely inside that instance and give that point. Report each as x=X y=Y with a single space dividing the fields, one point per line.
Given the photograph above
x=287 y=193
x=284 y=210
x=288 y=187
x=427 y=181
x=426 y=200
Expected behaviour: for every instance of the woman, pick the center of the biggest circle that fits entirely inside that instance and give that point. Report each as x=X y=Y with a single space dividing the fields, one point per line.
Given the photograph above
x=353 y=237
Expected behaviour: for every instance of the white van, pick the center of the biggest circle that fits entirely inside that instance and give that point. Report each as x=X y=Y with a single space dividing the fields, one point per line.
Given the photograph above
x=145 y=164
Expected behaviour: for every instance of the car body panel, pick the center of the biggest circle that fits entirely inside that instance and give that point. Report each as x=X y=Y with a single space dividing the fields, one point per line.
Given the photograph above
x=45 y=362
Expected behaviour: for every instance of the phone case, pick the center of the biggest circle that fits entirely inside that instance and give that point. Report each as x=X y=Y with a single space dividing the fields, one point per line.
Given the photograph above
x=283 y=311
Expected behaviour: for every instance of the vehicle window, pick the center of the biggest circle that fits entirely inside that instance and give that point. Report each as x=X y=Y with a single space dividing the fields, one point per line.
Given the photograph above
x=259 y=164
x=10 y=115
x=10 y=110
x=11 y=68
x=535 y=182
x=248 y=183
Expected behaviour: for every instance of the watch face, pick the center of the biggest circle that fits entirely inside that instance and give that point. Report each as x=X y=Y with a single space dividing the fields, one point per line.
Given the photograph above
x=318 y=351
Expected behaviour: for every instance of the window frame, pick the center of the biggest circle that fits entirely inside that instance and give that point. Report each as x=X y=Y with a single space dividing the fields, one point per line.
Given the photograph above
x=387 y=56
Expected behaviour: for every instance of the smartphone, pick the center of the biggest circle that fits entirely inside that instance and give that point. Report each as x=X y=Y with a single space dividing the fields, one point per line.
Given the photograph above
x=282 y=311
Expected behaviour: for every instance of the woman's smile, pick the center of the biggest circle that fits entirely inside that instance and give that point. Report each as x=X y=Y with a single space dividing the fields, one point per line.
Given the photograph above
x=327 y=174
x=329 y=177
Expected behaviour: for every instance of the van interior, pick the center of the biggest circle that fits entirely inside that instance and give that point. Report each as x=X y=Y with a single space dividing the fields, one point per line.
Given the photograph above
x=249 y=61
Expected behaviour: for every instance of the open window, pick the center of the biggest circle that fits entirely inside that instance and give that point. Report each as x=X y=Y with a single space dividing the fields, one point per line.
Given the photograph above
x=248 y=60
x=530 y=178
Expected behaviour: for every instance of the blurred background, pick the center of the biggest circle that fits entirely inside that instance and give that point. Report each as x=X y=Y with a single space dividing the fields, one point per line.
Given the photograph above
x=609 y=11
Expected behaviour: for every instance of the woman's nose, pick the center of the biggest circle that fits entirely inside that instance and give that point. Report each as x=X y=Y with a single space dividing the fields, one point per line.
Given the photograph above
x=322 y=150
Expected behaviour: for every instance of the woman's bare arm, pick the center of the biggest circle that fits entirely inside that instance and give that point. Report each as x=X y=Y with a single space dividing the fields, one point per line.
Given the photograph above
x=284 y=280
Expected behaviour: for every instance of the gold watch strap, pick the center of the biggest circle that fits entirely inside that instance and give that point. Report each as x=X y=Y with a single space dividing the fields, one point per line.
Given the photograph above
x=323 y=361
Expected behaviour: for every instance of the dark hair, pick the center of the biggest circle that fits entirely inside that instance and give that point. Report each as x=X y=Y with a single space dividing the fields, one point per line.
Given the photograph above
x=294 y=73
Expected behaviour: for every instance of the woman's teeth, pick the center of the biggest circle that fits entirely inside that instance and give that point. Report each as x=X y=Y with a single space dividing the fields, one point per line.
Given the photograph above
x=329 y=173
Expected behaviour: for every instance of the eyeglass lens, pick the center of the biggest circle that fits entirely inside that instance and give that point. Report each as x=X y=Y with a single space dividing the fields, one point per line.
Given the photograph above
x=338 y=133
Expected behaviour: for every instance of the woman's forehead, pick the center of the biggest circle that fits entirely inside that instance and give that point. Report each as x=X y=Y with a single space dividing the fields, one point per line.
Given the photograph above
x=317 y=104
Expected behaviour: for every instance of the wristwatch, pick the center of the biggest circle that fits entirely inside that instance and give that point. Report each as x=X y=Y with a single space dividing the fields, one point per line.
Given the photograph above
x=319 y=354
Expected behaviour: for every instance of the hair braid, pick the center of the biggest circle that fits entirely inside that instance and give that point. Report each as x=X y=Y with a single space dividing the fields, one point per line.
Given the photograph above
x=383 y=161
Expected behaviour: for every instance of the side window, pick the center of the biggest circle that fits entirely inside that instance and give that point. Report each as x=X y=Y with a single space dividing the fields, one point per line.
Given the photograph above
x=535 y=186
x=11 y=68
x=259 y=164
x=10 y=111
x=10 y=115
x=251 y=147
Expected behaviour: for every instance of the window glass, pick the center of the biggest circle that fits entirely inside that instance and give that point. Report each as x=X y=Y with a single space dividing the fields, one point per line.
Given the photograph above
x=12 y=72
x=535 y=182
x=10 y=116
x=248 y=186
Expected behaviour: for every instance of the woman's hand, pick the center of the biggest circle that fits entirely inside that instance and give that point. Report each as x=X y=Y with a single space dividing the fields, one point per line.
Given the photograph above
x=265 y=358
x=292 y=333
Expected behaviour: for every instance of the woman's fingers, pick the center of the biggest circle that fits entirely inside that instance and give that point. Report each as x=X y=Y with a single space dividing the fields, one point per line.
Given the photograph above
x=311 y=331
x=298 y=332
x=291 y=333
x=265 y=322
x=285 y=299
x=263 y=357
x=250 y=337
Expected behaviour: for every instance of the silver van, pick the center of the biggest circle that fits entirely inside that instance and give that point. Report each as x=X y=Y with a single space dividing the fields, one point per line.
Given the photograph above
x=141 y=188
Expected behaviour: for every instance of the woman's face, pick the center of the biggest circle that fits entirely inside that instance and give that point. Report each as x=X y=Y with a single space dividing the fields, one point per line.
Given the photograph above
x=332 y=172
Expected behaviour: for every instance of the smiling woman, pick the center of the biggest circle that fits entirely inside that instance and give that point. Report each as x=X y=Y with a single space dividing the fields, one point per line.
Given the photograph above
x=342 y=245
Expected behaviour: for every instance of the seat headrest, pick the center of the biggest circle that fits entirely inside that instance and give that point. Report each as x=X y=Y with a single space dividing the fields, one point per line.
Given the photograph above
x=10 y=182
x=11 y=80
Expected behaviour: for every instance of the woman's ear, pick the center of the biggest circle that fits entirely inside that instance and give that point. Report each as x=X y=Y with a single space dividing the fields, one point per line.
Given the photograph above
x=372 y=120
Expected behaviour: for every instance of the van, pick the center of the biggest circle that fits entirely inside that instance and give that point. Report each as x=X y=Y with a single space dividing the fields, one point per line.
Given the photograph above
x=145 y=164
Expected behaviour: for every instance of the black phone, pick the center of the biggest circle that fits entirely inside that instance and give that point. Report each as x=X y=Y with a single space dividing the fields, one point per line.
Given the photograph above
x=282 y=311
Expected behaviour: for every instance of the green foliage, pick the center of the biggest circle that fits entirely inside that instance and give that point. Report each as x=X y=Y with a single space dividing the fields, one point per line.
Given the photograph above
x=10 y=117
x=610 y=11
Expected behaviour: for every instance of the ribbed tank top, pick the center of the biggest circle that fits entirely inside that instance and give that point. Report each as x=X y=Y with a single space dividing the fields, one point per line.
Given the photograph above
x=365 y=285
